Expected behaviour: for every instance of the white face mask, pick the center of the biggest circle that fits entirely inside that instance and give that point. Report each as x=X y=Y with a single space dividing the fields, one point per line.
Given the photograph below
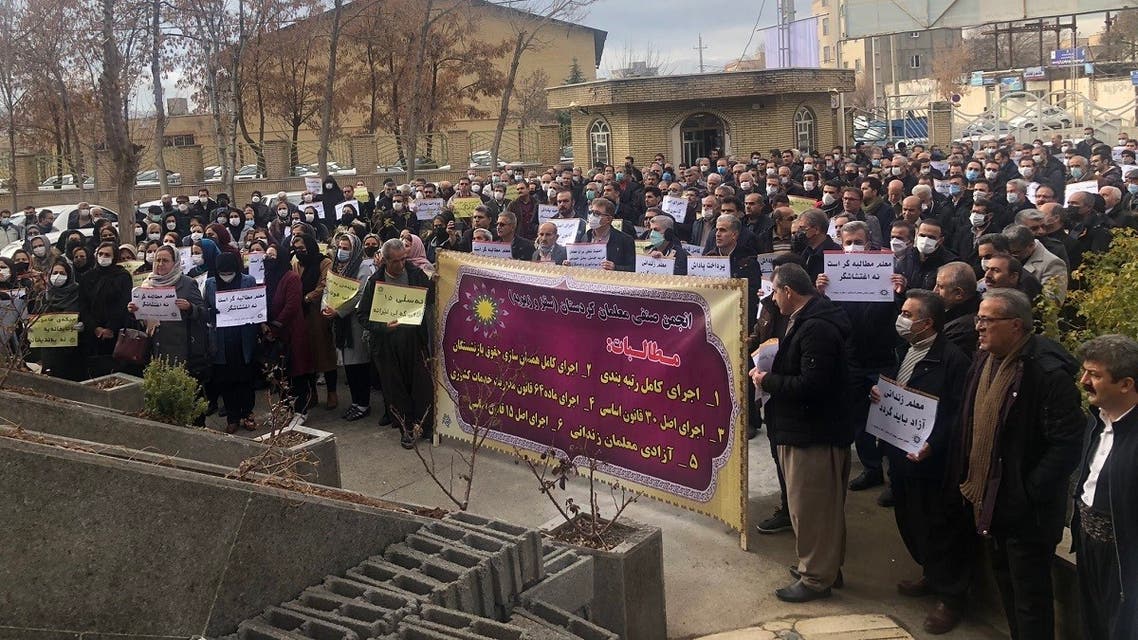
x=926 y=245
x=198 y=259
x=397 y=206
x=828 y=199
x=39 y=252
x=233 y=222
x=310 y=217
x=1013 y=197
x=149 y=257
x=896 y=170
x=904 y=326
x=594 y=221
x=772 y=171
x=137 y=231
x=977 y=219
x=227 y=277
x=807 y=167
x=343 y=255
x=708 y=212
x=898 y=246
x=104 y=261
x=221 y=219
x=171 y=225
x=1027 y=172
x=772 y=189
x=984 y=264
x=991 y=175
x=256 y=199
x=476 y=188
x=153 y=236
x=183 y=207
x=856 y=247
x=808 y=185
x=745 y=186
x=58 y=279
x=195 y=236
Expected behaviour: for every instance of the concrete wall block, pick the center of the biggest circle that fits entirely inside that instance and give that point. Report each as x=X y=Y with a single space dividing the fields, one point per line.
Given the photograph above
x=355 y=576
x=374 y=595
x=365 y=617
x=383 y=573
x=279 y=623
x=482 y=626
x=474 y=592
x=568 y=583
x=562 y=618
x=529 y=541
x=505 y=560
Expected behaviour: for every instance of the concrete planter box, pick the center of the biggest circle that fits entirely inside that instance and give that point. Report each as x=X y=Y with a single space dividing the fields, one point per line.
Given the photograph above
x=126 y=397
x=628 y=582
x=98 y=425
x=320 y=444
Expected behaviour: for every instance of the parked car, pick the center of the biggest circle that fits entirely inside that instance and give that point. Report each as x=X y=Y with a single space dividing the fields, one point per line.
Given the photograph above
x=150 y=178
x=249 y=172
x=567 y=154
x=1049 y=117
x=63 y=214
x=425 y=164
x=481 y=160
x=65 y=181
x=211 y=173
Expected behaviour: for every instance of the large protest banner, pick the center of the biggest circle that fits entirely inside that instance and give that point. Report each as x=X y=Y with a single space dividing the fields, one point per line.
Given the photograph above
x=644 y=374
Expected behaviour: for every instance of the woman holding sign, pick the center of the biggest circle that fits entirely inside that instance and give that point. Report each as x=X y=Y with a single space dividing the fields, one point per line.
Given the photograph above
x=104 y=292
x=233 y=370
x=349 y=335
x=312 y=267
x=62 y=296
x=185 y=341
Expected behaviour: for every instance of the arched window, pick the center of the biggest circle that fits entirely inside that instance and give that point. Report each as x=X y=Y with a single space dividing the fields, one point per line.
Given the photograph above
x=600 y=139
x=804 y=123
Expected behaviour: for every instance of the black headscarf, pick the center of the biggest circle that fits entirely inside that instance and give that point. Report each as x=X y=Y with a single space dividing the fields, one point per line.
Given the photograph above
x=275 y=269
x=66 y=297
x=311 y=263
x=228 y=263
x=331 y=198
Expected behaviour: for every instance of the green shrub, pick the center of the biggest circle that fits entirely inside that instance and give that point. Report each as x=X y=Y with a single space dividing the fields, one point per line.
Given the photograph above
x=171 y=394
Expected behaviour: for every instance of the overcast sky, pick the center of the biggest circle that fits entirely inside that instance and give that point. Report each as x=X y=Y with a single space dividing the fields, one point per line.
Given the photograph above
x=672 y=28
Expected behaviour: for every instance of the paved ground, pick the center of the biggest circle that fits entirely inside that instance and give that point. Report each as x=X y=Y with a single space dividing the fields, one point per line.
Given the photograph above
x=712 y=585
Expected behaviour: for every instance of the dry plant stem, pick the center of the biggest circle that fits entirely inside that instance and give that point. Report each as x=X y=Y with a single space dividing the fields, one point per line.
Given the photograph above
x=19 y=357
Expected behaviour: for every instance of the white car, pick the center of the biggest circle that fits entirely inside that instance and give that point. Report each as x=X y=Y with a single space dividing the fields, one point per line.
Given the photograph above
x=249 y=172
x=211 y=173
x=62 y=215
x=65 y=182
x=149 y=178
x=1049 y=117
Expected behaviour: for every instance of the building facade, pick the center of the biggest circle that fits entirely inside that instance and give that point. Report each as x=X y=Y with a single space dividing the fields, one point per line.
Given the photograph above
x=684 y=117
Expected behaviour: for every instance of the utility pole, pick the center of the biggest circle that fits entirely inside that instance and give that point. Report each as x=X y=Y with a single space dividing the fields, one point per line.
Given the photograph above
x=700 y=48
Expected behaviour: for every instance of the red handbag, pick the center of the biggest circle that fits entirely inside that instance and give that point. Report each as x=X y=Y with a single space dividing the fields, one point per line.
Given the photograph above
x=132 y=347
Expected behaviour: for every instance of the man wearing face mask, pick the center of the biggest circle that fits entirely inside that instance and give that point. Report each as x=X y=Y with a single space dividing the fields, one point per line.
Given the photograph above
x=203 y=207
x=831 y=200
x=871 y=351
x=703 y=229
x=931 y=520
x=1088 y=227
x=663 y=243
x=8 y=232
x=621 y=252
x=1047 y=267
x=927 y=255
x=811 y=240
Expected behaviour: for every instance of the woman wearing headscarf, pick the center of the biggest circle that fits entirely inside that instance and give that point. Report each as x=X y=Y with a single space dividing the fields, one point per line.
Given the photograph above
x=233 y=370
x=13 y=295
x=80 y=257
x=416 y=253
x=22 y=269
x=62 y=296
x=128 y=252
x=348 y=334
x=220 y=235
x=104 y=232
x=171 y=222
x=279 y=228
x=308 y=215
x=41 y=253
x=104 y=293
x=348 y=215
x=312 y=267
x=204 y=256
x=287 y=325
x=180 y=341
x=332 y=196
x=234 y=223
x=68 y=239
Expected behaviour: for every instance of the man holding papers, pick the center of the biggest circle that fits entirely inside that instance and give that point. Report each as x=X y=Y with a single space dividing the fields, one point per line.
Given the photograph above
x=930 y=521
x=400 y=350
x=621 y=248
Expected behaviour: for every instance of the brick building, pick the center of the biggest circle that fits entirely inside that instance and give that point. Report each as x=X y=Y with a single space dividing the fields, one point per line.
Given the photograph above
x=686 y=116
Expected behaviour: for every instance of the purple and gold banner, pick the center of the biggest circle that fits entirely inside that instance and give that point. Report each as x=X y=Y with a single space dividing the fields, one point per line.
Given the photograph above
x=642 y=373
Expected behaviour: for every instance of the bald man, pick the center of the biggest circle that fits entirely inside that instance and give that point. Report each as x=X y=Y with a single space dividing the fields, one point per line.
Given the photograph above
x=1055 y=226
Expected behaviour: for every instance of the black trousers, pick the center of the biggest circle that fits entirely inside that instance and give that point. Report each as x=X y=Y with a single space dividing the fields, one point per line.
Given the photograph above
x=1099 y=588
x=407 y=388
x=869 y=451
x=304 y=390
x=1023 y=575
x=778 y=470
x=937 y=530
x=359 y=383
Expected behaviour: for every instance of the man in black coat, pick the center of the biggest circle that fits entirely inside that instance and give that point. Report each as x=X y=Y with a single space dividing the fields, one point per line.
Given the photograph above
x=811 y=240
x=621 y=248
x=956 y=285
x=1104 y=528
x=1022 y=433
x=807 y=423
x=400 y=351
x=931 y=523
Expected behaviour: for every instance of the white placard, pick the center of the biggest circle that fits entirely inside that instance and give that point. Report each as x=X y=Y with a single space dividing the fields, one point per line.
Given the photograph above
x=709 y=266
x=1116 y=153
x=766 y=263
x=766 y=287
x=662 y=266
x=903 y=418
x=859 y=277
x=833 y=231
x=586 y=254
x=186 y=255
x=763 y=359
x=567 y=229
x=1086 y=186
x=939 y=165
x=692 y=249
x=675 y=207
x=158 y=303
x=313 y=185
x=257 y=267
x=340 y=208
x=241 y=306
x=428 y=208
x=492 y=249
x=546 y=212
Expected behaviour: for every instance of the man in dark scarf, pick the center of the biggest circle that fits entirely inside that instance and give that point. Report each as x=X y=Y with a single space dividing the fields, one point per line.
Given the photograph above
x=332 y=196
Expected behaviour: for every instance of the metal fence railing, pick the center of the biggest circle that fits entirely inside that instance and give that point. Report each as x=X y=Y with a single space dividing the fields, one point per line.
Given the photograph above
x=518 y=145
x=1044 y=114
x=432 y=152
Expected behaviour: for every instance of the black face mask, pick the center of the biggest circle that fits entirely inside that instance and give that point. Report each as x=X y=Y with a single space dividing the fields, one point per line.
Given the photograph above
x=370 y=251
x=851 y=175
x=21 y=268
x=798 y=242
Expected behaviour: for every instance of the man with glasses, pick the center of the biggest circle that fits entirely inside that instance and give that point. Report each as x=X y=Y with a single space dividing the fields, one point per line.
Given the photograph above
x=1022 y=437
x=520 y=249
x=621 y=248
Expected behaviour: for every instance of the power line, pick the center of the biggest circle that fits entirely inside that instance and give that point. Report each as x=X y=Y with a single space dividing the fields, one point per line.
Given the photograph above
x=753 y=30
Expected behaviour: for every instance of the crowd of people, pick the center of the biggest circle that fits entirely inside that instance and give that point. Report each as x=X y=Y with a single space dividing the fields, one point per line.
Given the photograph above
x=978 y=232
